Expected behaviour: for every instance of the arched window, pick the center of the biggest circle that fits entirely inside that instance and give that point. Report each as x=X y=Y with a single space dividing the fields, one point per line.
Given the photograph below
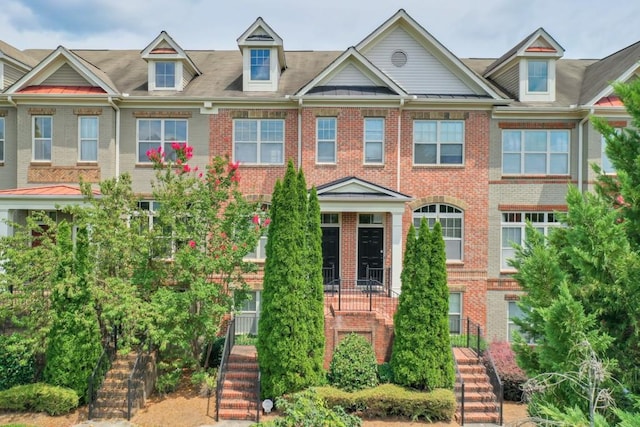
x=451 y=219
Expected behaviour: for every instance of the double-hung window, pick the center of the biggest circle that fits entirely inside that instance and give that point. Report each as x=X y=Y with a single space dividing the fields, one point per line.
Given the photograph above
x=155 y=133
x=537 y=76
x=373 y=140
x=605 y=163
x=42 y=137
x=451 y=220
x=326 y=139
x=258 y=141
x=438 y=142
x=455 y=312
x=88 y=138
x=1 y=139
x=165 y=75
x=260 y=64
x=514 y=227
x=515 y=312
x=540 y=152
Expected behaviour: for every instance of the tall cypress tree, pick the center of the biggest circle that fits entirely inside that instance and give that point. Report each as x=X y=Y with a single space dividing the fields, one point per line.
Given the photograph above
x=287 y=342
x=316 y=289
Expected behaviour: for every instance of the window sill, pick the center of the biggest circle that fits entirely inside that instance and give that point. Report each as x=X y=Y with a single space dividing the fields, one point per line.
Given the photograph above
x=533 y=177
x=373 y=165
x=40 y=163
x=261 y=165
x=144 y=165
x=87 y=164
x=455 y=263
x=508 y=272
x=438 y=166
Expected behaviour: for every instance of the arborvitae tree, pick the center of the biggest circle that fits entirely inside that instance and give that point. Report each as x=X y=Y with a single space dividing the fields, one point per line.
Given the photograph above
x=74 y=340
x=316 y=297
x=443 y=372
x=288 y=345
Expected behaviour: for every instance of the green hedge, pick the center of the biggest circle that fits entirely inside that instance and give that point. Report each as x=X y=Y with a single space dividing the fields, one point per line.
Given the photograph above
x=39 y=397
x=17 y=362
x=389 y=400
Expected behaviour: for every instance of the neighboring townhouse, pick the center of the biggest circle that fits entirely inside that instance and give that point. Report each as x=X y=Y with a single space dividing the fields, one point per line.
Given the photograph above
x=390 y=131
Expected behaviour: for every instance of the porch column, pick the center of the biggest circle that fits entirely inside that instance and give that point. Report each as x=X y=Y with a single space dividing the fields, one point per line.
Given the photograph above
x=5 y=228
x=396 y=250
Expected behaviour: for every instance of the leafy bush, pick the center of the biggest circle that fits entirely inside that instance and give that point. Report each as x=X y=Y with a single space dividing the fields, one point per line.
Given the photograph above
x=389 y=400
x=510 y=374
x=17 y=361
x=216 y=353
x=353 y=366
x=39 y=397
x=169 y=374
x=308 y=409
x=385 y=373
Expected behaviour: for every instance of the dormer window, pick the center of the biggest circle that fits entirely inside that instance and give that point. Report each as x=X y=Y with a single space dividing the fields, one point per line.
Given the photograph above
x=260 y=64
x=165 y=75
x=537 y=76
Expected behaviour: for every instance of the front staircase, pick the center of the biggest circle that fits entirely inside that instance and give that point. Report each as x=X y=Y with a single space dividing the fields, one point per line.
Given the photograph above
x=480 y=403
x=111 y=401
x=239 y=399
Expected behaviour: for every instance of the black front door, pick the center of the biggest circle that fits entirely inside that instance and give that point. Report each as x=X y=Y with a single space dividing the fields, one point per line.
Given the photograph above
x=370 y=250
x=330 y=253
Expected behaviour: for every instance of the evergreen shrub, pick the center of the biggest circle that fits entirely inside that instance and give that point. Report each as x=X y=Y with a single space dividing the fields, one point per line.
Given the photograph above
x=353 y=366
x=17 y=361
x=39 y=397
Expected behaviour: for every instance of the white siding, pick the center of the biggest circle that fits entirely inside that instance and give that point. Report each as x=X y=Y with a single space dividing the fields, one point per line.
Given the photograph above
x=510 y=80
x=186 y=78
x=423 y=72
x=65 y=76
x=11 y=75
x=350 y=76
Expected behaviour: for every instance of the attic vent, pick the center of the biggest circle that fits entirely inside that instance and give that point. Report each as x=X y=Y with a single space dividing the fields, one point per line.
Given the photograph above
x=398 y=58
x=260 y=37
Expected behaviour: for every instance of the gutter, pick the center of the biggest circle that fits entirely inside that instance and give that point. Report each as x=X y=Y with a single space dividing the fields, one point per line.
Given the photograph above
x=117 y=160
x=300 y=133
x=581 y=148
x=398 y=143
x=11 y=101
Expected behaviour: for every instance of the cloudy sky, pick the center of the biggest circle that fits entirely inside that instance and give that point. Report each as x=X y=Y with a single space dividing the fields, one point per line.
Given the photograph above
x=469 y=28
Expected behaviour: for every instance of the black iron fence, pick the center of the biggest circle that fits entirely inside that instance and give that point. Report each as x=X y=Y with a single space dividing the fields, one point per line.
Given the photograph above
x=371 y=293
x=103 y=365
x=224 y=361
x=136 y=383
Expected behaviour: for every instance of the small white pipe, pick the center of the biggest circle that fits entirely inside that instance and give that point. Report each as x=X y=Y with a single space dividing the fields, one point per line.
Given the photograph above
x=117 y=162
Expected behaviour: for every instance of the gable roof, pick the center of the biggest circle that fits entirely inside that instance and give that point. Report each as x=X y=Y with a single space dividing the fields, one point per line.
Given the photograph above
x=15 y=56
x=351 y=55
x=154 y=49
x=52 y=62
x=47 y=190
x=354 y=188
x=527 y=46
x=448 y=59
x=618 y=66
x=261 y=34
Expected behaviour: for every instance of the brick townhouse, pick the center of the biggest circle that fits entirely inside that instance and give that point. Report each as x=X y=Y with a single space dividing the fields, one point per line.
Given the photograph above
x=391 y=130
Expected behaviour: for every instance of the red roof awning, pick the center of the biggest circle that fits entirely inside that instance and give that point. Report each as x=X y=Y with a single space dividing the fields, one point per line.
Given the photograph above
x=50 y=190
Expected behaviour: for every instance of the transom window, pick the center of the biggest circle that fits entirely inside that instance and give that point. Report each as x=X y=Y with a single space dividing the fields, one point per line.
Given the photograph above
x=455 y=312
x=88 y=138
x=451 y=220
x=370 y=219
x=373 y=140
x=42 y=136
x=538 y=76
x=543 y=152
x=165 y=75
x=330 y=219
x=326 y=139
x=514 y=230
x=154 y=133
x=259 y=141
x=260 y=64
x=438 y=142
x=1 y=139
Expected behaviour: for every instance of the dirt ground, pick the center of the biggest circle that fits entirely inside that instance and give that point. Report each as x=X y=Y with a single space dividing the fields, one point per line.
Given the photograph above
x=186 y=408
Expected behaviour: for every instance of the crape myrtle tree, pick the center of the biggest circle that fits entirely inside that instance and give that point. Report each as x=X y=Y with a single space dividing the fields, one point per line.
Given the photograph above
x=291 y=328
x=421 y=355
x=594 y=263
x=201 y=231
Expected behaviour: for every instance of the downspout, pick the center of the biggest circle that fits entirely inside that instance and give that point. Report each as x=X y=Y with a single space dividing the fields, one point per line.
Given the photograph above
x=11 y=101
x=117 y=162
x=299 y=133
x=581 y=148
x=398 y=144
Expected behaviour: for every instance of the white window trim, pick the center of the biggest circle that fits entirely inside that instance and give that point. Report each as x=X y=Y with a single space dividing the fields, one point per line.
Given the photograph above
x=259 y=142
x=162 y=142
x=547 y=153
x=438 y=144
x=603 y=155
x=545 y=225
x=437 y=215
x=457 y=314
x=3 y=153
x=270 y=85
x=364 y=141
x=80 y=139
x=178 y=76
x=33 y=139
x=550 y=94
x=334 y=140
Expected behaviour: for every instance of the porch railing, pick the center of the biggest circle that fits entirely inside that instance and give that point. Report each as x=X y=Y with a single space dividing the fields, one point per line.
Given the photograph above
x=372 y=293
x=224 y=361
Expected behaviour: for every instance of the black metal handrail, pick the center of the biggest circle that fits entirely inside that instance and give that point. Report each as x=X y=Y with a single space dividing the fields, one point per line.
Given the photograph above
x=135 y=382
x=100 y=370
x=258 y=389
x=460 y=380
x=494 y=380
x=224 y=360
x=473 y=330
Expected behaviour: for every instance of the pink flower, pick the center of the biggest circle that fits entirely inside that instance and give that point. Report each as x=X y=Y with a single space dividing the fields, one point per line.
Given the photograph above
x=223 y=235
x=192 y=243
x=200 y=175
x=235 y=177
x=179 y=162
x=267 y=221
x=233 y=166
x=256 y=219
x=620 y=199
x=175 y=146
x=186 y=169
